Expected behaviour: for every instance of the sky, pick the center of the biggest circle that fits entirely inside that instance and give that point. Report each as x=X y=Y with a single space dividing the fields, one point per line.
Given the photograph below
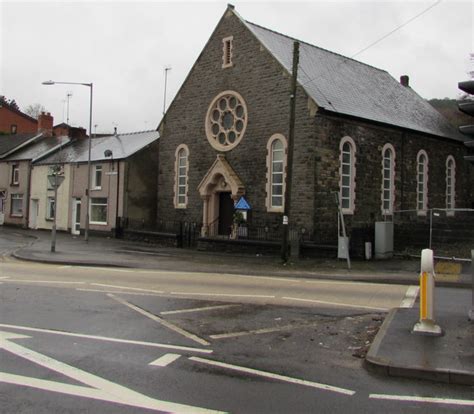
x=124 y=47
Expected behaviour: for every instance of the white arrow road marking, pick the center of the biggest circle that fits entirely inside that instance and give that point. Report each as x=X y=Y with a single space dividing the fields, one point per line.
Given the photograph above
x=107 y=339
x=273 y=376
x=161 y=321
x=433 y=400
x=165 y=360
x=102 y=389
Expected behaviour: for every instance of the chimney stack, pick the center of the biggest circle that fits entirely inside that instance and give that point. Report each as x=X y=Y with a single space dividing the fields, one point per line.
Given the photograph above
x=405 y=80
x=45 y=124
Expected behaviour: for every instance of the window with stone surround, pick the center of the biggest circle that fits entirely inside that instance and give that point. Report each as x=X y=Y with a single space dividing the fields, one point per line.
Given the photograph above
x=226 y=120
x=181 y=177
x=450 y=185
x=276 y=173
x=422 y=182
x=227 y=46
x=347 y=173
x=388 y=179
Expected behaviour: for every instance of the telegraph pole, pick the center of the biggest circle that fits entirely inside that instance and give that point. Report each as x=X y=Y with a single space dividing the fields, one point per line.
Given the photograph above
x=289 y=165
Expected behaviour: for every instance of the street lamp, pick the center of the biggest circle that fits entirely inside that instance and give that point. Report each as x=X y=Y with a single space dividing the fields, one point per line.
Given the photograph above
x=90 y=85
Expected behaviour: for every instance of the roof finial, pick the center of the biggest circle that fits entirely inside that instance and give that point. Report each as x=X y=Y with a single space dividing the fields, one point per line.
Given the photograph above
x=230 y=6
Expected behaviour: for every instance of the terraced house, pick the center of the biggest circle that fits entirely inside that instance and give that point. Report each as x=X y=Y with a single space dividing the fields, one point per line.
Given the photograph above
x=359 y=133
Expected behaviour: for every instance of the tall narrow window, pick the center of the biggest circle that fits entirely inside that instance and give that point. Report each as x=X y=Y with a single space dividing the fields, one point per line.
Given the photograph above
x=50 y=206
x=388 y=179
x=422 y=182
x=15 y=179
x=347 y=175
x=97 y=177
x=227 y=52
x=450 y=185
x=181 y=177
x=276 y=173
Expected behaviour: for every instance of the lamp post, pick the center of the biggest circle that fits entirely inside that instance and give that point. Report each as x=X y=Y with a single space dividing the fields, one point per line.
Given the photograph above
x=90 y=85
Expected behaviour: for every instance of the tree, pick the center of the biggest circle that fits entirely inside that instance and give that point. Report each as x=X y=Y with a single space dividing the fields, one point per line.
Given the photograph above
x=34 y=110
x=9 y=102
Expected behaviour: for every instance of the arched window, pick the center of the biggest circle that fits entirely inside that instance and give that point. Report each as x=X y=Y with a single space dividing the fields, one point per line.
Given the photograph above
x=276 y=173
x=422 y=182
x=450 y=184
x=347 y=173
x=181 y=177
x=388 y=179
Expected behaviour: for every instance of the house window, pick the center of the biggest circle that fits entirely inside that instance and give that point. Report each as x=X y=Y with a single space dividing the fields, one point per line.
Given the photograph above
x=13 y=129
x=388 y=179
x=276 y=173
x=97 y=177
x=15 y=174
x=16 y=208
x=227 y=52
x=98 y=210
x=50 y=206
x=422 y=182
x=347 y=175
x=181 y=177
x=450 y=185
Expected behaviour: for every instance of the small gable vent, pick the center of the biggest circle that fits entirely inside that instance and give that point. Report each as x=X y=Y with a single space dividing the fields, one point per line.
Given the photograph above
x=227 y=52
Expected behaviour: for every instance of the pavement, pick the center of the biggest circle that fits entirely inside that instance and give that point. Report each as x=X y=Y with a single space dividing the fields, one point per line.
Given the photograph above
x=395 y=351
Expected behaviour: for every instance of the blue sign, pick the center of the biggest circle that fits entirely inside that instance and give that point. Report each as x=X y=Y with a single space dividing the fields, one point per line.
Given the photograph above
x=242 y=204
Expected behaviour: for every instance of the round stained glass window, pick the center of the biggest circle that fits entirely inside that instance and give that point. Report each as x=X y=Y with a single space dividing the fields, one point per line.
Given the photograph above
x=226 y=120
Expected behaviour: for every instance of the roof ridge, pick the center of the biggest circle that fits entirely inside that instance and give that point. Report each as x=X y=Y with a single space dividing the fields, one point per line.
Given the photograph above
x=317 y=47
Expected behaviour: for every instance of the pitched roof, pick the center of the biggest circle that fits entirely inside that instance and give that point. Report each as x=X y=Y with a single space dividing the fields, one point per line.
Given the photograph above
x=39 y=148
x=345 y=86
x=12 y=143
x=121 y=145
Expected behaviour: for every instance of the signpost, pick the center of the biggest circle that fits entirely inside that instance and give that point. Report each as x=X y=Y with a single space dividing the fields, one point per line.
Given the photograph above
x=55 y=180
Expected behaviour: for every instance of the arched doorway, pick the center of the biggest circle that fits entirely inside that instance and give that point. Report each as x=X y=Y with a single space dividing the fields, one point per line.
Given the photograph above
x=220 y=189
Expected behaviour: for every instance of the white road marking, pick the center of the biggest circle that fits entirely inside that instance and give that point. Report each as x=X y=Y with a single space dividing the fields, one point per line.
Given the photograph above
x=5 y=277
x=347 y=305
x=127 y=287
x=229 y=295
x=259 y=331
x=273 y=376
x=108 y=339
x=165 y=360
x=161 y=321
x=342 y=282
x=410 y=297
x=45 y=281
x=121 y=292
x=108 y=269
x=278 y=279
x=65 y=267
x=432 y=400
x=203 y=309
x=102 y=389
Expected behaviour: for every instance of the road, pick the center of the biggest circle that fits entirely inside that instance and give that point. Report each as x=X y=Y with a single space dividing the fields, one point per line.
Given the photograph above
x=77 y=339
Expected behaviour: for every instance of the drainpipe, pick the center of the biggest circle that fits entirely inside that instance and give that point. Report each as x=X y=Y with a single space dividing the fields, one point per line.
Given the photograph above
x=117 y=202
x=28 y=183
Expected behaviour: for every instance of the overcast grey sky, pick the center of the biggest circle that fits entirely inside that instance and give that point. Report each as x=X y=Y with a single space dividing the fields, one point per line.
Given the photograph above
x=123 y=47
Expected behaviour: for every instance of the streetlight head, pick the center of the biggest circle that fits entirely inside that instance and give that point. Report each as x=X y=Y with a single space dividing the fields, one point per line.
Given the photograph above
x=48 y=82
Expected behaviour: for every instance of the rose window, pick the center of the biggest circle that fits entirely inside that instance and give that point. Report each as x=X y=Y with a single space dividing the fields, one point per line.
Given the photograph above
x=226 y=120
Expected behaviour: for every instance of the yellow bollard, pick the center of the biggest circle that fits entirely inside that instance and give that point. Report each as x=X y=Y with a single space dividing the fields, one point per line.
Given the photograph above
x=427 y=325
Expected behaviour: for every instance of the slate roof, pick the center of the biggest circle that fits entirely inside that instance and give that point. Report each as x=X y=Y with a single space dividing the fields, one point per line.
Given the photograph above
x=8 y=143
x=39 y=149
x=121 y=145
x=345 y=86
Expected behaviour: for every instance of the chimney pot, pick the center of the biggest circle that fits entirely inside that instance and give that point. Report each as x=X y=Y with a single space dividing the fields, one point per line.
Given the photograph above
x=405 y=80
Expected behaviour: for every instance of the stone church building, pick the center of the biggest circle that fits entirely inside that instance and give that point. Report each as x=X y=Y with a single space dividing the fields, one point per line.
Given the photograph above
x=359 y=133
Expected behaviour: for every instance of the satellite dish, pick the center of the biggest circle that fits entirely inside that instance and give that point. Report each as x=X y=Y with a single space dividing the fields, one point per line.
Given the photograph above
x=107 y=153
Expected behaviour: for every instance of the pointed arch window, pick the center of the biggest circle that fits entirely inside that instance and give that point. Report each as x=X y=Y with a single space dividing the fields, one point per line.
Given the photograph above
x=422 y=182
x=450 y=185
x=276 y=173
x=181 y=177
x=388 y=179
x=347 y=172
